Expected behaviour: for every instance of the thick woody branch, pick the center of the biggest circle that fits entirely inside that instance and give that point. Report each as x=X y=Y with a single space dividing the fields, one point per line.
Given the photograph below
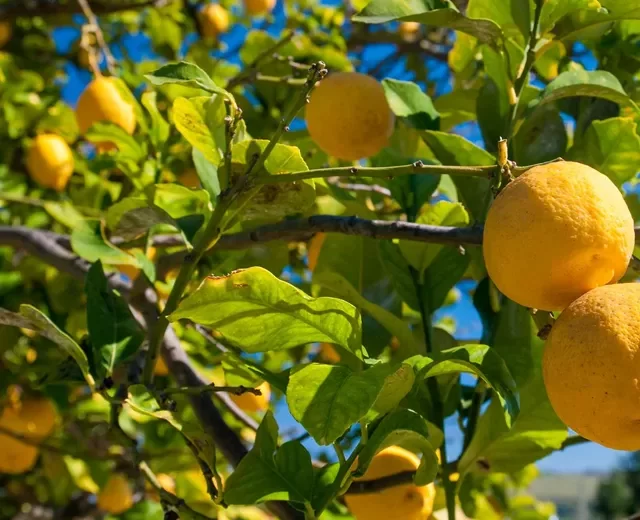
x=44 y=245
x=17 y=8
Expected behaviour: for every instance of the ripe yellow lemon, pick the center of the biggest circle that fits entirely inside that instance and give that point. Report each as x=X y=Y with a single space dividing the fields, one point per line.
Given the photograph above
x=50 y=162
x=254 y=403
x=161 y=369
x=556 y=232
x=328 y=354
x=5 y=33
x=259 y=7
x=34 y=418
x=405 y=502
x=214 y=20
x=591 y=364
x=348 y=116
x=408 y=29
x=313 y=250
x=101 y=101
x=116 y=495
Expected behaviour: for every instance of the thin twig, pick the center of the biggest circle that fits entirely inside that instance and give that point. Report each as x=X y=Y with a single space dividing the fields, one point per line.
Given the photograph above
x=44 y=245
x=265 y=56
x=168 y=498
x=195 y=390
x=95 y=25
x=373 y=188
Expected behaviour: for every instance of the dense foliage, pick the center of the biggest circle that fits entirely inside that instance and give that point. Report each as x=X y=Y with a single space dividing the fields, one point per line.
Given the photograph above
x=181 y=264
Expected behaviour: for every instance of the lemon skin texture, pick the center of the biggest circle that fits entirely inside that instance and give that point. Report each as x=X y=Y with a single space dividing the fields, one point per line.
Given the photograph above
x=214 y=20
x=556 y=232
x=49 y=161
x=34 y=418
x=348 y=116
x=116 y=495
x=254 y=403
x=406 y=502
x=101 y=101
x=5 y=33
x=259 y=7
x=591 y=366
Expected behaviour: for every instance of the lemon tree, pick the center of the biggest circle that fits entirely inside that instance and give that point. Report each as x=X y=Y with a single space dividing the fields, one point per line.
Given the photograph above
x=235 y=236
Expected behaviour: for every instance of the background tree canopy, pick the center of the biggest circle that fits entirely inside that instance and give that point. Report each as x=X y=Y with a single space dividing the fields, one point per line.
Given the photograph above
x=185 y=261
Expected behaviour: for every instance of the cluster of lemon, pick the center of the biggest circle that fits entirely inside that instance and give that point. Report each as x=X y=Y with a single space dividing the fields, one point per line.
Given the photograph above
x=49 y=158
x=554 y=239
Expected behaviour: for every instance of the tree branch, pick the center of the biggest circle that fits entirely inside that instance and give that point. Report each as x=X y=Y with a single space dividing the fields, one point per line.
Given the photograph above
x=43 y=244
x=19 y=8
x=95 y=28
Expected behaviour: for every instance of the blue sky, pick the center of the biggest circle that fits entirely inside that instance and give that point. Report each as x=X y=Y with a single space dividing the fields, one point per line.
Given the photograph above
x=584 y=458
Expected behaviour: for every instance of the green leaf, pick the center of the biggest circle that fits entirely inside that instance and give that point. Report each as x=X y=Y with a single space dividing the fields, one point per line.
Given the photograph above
x=189 y=116
x=445 y=271
x=88 y=242
x=429 y=12
x=159 y=204
x=32 y=319
x=271 y=473
x=143 y=407
x=359 y=281
x=394 y=325
x=65 y=213
x=453 y=149
x=115 y=334
x=512 y=16
x=207 y=173
x=554 y=10
x=402 y=428
x=258 y=312
x=159 y=132
x=535 y=433
x=485 y=363
x=328 y=399
x=186 y=74
x=325 y=487
x=128 y=147
x=515 y=339
x=611 y=146
x=593 y=23
x=442 y=213
x=406 y=99
x=398 y=270
x=456 y=107
x=143 y=510
x=132 y=217
x=274 y=200
x=542 y=137
x=597 y=83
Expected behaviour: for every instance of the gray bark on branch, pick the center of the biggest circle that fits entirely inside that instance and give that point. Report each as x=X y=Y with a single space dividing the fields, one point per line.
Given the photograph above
x=45 y=245
x=17 y=8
